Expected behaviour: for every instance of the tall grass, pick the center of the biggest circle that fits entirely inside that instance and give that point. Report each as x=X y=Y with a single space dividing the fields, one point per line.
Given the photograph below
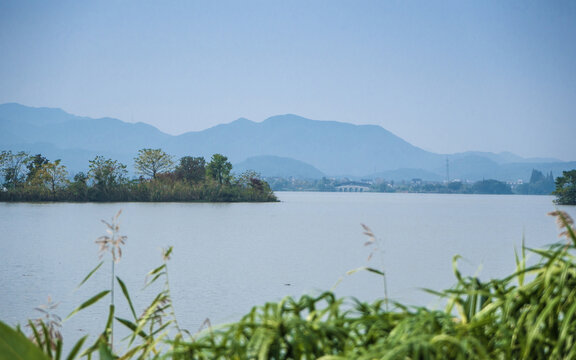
x=529 y=314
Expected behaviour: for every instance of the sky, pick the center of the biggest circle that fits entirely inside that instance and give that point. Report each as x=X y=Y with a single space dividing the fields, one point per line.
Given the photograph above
x=446 y=76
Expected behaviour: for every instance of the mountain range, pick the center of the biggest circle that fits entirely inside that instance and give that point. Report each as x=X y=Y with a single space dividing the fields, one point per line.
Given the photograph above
x=283 y=145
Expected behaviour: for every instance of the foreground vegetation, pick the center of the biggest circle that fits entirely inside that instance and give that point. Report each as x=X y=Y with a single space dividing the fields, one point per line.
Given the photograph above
x=530 y=314
x=35 y=178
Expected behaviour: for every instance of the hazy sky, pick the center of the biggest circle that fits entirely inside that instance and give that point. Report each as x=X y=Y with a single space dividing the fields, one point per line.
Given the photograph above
x=447 y=76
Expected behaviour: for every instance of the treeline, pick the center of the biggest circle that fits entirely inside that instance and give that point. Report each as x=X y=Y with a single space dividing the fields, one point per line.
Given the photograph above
x=488 y=186
x=28 y=177
x=539 y=184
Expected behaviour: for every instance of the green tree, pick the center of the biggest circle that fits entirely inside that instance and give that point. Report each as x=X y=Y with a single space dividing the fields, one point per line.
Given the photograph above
x=53 y=175
x=536 y=176
x=191 y=169
x=245 y=179
x=491 y=187
x=106 y=175
x=566 y=188
x=455 y=186
x=150 y=162
x=13 y=167
x=35 y=163
x=78 y=189
x=219 y=169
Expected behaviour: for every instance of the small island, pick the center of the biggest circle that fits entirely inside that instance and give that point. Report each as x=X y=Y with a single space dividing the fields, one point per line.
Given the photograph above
x=28 y=177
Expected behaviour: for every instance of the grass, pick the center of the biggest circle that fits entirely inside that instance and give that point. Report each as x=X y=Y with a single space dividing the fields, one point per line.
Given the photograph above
x=529 y=314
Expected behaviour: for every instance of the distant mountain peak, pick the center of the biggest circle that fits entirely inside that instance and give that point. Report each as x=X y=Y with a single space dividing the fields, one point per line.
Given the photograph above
x=288 y=120
x=243 y=120
x=287 y=117
x=240 y=122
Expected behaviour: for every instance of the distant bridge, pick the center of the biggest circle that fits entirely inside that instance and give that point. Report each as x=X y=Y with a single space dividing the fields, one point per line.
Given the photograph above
x=352 y=188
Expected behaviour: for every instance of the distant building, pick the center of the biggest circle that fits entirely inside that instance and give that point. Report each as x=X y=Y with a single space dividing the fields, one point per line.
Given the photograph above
x=416 y=181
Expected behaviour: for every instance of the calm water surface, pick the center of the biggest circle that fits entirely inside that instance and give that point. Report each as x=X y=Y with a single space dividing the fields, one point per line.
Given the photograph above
x=229 y=257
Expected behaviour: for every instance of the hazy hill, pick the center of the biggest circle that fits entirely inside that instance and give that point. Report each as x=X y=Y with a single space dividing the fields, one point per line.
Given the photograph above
x=501 y=158
x=74 y=139
x=284 y=144
x=25 y=125
x=332 y=147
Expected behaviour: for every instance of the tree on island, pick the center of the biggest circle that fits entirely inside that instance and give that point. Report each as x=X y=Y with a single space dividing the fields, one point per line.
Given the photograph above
x=219 y=169
x=34 y=165
x=13 y=167
x=150 y=162
x=191 y=169
x=53 y=175
x=106 y=175
x=78 y=188
x=566 y=188
x=35 y=178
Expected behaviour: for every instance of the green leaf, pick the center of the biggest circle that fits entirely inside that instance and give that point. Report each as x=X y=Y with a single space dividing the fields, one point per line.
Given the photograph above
x=47 y=345
x=130 y=325
x=375 y=271
x=168 y=252
x=535 y=328
x=156 y=273
x=15 y=346
x=76 y=348
x=155 y=278
x=35 y=332
x=105 y=352
x=353 y=271
x=58 y=349
x=455 y=268
x=127 y=296
x=90 y=274
x=161 y=328
x=157 y=270
x=89 y=302
x=109 y=323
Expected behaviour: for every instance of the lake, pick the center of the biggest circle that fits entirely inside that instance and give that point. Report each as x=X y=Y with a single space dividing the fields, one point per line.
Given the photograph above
x=229 y=257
